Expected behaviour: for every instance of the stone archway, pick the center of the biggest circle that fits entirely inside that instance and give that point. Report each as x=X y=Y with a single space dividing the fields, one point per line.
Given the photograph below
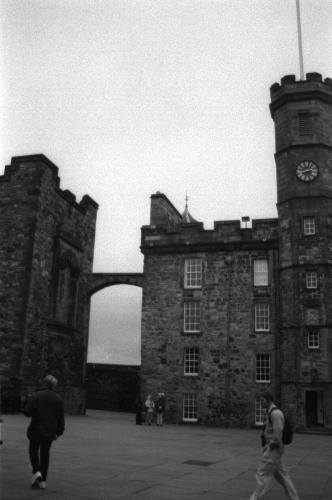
x=98 y=281
x=111 y=386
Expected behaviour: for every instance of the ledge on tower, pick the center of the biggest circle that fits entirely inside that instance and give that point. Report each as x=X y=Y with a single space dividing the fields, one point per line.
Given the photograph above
x=312 y=77
x=292 y=90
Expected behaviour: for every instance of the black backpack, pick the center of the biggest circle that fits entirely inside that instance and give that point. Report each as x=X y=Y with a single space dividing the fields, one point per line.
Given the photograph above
x=287 y=432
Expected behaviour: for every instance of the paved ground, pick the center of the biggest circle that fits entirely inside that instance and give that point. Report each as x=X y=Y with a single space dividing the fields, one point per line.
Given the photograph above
x=105 y=456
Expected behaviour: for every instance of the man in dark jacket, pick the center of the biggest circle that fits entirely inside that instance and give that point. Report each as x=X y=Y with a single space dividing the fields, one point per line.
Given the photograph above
x=46 y=410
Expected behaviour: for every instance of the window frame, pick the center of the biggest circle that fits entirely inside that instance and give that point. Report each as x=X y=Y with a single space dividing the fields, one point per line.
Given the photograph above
x=187 y=321
x=191 y=361
x=308 y=281
x=193 y=275
x=256 y=317
x=260 y=410
x=189 y=407
x=307 y=225
x=310 y=344
x=259 y=368
x=258 y=274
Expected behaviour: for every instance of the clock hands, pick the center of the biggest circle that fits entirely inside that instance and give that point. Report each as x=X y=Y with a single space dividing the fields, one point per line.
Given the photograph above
x=306 y=171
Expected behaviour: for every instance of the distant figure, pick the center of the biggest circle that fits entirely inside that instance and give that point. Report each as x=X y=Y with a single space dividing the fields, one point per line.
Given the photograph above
x=149 y=405
x=160 y=408
x=138 y=410
x=46 y=410
x=271 y=464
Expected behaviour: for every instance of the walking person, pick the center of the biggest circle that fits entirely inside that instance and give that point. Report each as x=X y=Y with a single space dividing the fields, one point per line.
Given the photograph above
x=160 y=408
x=149 y=405
x=272 y=463
x=46 y=410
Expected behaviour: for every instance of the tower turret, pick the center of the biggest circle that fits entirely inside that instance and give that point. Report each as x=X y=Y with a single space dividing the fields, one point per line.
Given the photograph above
x=302 y=113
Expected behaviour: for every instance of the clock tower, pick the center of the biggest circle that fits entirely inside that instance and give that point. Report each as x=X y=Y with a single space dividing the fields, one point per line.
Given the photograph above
x=302 y=113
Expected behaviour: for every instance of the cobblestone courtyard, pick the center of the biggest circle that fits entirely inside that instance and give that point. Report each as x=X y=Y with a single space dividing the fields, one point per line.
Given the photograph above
x=105 y=456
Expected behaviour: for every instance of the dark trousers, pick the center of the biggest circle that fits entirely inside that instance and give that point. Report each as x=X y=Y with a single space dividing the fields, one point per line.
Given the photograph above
x=39 y=452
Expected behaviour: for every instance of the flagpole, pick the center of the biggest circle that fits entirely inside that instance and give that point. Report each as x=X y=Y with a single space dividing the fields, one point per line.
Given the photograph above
x=299 y=35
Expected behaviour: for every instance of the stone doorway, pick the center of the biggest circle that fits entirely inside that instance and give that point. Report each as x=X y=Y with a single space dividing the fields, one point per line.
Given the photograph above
x=314 y=408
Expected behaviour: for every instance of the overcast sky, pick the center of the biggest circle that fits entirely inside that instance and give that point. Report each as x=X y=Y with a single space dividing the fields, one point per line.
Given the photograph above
x=131 y=97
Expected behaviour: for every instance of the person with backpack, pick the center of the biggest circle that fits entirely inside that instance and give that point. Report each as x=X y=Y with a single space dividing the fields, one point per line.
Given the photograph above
x=272 y=463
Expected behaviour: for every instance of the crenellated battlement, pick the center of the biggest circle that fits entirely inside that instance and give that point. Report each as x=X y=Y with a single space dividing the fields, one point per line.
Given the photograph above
x=162 y=235
x=29 y=170
x=292 y=90
x=291 y=80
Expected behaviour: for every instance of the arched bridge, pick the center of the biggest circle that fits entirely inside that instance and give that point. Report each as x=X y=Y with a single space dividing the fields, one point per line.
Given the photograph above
x=98 y=281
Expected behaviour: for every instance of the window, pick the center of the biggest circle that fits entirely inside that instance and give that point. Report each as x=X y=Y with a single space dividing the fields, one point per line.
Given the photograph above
x=311 y=279
x=305 y=124
x=192 y=317
x=262 y=368
x=66 y=298
x=260 y=272
x=311 y=316
x=260 y=411
x=191 y=359
x=193 y=273
x=313 y=339
x=190 y=407
x=66 y=272
x=309 y=226
x=262 y=317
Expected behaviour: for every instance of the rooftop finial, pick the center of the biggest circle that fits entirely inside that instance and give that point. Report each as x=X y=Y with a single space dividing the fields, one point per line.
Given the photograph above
x=186 y=216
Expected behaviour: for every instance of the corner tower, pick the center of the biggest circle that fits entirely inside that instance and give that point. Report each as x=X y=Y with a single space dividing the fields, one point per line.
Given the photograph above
x=302 y=113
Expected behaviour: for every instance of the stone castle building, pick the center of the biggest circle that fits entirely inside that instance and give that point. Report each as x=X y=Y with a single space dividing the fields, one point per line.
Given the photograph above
x=46 y=278
x=226 y=312
x=47 y=242
x=231 y=311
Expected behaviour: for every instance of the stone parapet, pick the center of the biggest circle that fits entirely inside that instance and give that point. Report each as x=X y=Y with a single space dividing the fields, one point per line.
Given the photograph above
x=22 y=163
x=292 y=90
x=191 y=236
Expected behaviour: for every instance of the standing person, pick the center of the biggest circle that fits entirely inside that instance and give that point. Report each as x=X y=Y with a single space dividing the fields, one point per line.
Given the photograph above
x=272 y=463
x=46 y=410
x=160 y=408
x=149 y=405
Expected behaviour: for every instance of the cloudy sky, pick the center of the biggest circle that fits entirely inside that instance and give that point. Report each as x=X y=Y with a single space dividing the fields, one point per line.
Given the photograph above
x=130 y=97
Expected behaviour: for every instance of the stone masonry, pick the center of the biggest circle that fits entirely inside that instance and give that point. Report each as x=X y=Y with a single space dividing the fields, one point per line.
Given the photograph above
x=245 y=335
x=46 y=252
x=226 y=313
x=226 y=341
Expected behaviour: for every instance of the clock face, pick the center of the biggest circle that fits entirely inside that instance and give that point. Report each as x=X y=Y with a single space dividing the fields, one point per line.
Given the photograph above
x=307 y=171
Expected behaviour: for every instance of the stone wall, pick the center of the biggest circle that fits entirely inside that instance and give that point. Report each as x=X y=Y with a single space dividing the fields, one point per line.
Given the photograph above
x=227 y=341
x=47 y=242
x=112 y=387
